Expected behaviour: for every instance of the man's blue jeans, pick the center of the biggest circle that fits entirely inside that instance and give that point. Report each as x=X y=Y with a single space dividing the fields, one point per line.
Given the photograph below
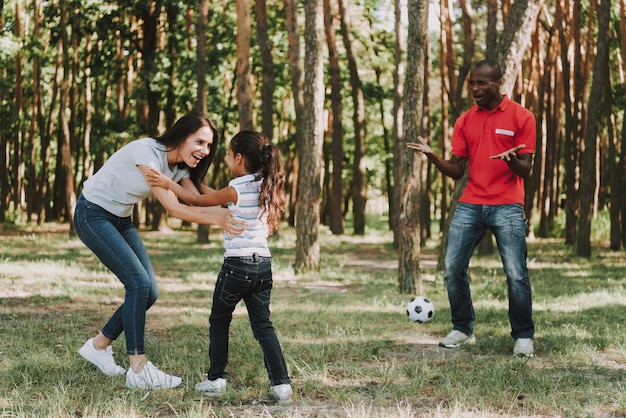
x=468 y=227
x=248 y=278
x=116 y=242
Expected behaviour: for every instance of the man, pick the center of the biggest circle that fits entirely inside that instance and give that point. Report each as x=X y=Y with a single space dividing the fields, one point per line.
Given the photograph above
x=496 y=139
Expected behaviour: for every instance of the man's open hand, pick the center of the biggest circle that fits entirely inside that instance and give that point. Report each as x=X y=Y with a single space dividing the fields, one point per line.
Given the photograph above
x=508 y=155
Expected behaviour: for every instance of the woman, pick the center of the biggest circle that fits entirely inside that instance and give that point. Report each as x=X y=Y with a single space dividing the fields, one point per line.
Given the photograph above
x=102 y=220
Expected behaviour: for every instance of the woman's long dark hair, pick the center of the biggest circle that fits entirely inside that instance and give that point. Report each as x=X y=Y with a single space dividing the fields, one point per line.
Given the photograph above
x=180 y=131
x=263 y=158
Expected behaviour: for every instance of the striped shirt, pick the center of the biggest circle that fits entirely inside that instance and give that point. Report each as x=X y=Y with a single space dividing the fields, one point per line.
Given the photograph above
x=254 y=239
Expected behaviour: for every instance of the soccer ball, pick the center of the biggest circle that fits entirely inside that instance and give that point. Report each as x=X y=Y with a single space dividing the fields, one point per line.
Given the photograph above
x=420 y=309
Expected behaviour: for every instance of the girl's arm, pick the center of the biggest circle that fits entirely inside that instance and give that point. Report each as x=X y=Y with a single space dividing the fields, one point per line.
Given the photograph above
x=187 y=191
x=202 y=215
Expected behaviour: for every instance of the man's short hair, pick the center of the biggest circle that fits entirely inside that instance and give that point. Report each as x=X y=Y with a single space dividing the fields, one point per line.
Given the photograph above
x=495 y=67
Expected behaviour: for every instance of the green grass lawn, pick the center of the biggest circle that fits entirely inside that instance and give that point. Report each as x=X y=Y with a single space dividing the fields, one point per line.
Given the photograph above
x=349 y=346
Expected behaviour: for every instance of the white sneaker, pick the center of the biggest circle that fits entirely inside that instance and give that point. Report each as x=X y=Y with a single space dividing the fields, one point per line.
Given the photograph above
x=523 y=347
x=212 y=388
x=151 y=378
x=282 y=393
x=456 y=338
x=103 y=359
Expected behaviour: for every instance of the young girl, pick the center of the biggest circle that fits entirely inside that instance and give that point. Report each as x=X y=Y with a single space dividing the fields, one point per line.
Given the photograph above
x=102 y=220
x=256 y=195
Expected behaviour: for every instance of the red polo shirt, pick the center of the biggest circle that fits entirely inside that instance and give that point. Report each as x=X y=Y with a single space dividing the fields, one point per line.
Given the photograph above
x=479 y=134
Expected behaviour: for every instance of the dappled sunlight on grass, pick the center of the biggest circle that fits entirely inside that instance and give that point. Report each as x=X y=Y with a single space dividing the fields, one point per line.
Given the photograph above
x=349 y=346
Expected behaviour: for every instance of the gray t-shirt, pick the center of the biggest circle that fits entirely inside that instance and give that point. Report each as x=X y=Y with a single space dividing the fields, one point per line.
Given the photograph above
x=119 y=184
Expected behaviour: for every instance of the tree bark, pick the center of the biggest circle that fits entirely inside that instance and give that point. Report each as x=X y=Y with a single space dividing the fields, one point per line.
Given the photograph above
x=202 y=233
x=65 y=137
x=244 y=87
x=621 y=193
x=359 y=186
x=398 y=115
x=588 y=169
x=267 y=86
x=515 y=38
x=295 y=67
x=310 y=154
x=409 y=273
x=334 y=75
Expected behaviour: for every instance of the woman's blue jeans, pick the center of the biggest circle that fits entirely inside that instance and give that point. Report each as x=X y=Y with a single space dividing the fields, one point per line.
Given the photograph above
x=468 y=227
x=116 y=242
x=248 y=278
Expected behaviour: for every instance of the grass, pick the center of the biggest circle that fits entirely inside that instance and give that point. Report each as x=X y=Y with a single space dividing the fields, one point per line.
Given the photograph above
x=348 y=344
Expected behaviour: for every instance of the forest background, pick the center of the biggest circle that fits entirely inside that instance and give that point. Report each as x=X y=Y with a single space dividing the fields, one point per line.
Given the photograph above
x=338 y=85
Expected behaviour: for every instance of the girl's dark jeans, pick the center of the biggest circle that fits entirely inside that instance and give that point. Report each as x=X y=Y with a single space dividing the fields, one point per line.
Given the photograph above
x=248 y=278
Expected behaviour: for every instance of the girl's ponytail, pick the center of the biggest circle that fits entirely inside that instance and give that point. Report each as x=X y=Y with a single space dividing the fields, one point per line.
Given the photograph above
x=264 y=158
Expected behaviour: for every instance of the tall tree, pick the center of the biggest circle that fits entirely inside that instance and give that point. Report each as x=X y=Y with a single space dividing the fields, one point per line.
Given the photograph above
x=515 y=38
x=359 y=185
x=268 y=81
x=202 y=233
x=412 y=183
x=334 y=75
x=18 y=143
x=297 y=80
x=589 y=167
x=621 y=194
x=447 y=72
x=398 y=116
x=150 y=12
x=575 y=111
x=244 y=87
x=66 y=165
x=310 y=149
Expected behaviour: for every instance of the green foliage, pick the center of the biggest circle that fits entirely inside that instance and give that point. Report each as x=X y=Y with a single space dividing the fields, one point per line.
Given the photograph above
x=600 y=226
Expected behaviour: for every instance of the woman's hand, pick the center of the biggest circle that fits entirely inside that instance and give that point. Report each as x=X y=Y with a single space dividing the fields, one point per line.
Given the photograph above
x=226 y=220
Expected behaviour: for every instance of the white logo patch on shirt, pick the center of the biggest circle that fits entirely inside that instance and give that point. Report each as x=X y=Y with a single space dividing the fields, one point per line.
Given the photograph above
x=505 y=132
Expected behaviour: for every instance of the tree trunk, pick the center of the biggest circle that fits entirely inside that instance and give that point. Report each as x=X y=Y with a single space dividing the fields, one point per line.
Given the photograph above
x=622 y=160
x=334 y=75
x=588 y=169
x=149 y=13
x=267 y=87
x=65 y=137
x=455 y=100
x=202 y=233
x=425 y=123
x=409 y=273
x=295 y=66
x=620 y=192
x=515 y=38
x=18 y=143
x=359 y=186
x=398 y=115
x=310 y=154
x=244 y=87
x=613 y=166
x=447 y=72
x=574 y=128
x=388 y=147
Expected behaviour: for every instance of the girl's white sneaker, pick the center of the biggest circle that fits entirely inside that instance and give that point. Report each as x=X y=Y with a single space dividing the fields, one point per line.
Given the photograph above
x=151 y=378
x=282 y=393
